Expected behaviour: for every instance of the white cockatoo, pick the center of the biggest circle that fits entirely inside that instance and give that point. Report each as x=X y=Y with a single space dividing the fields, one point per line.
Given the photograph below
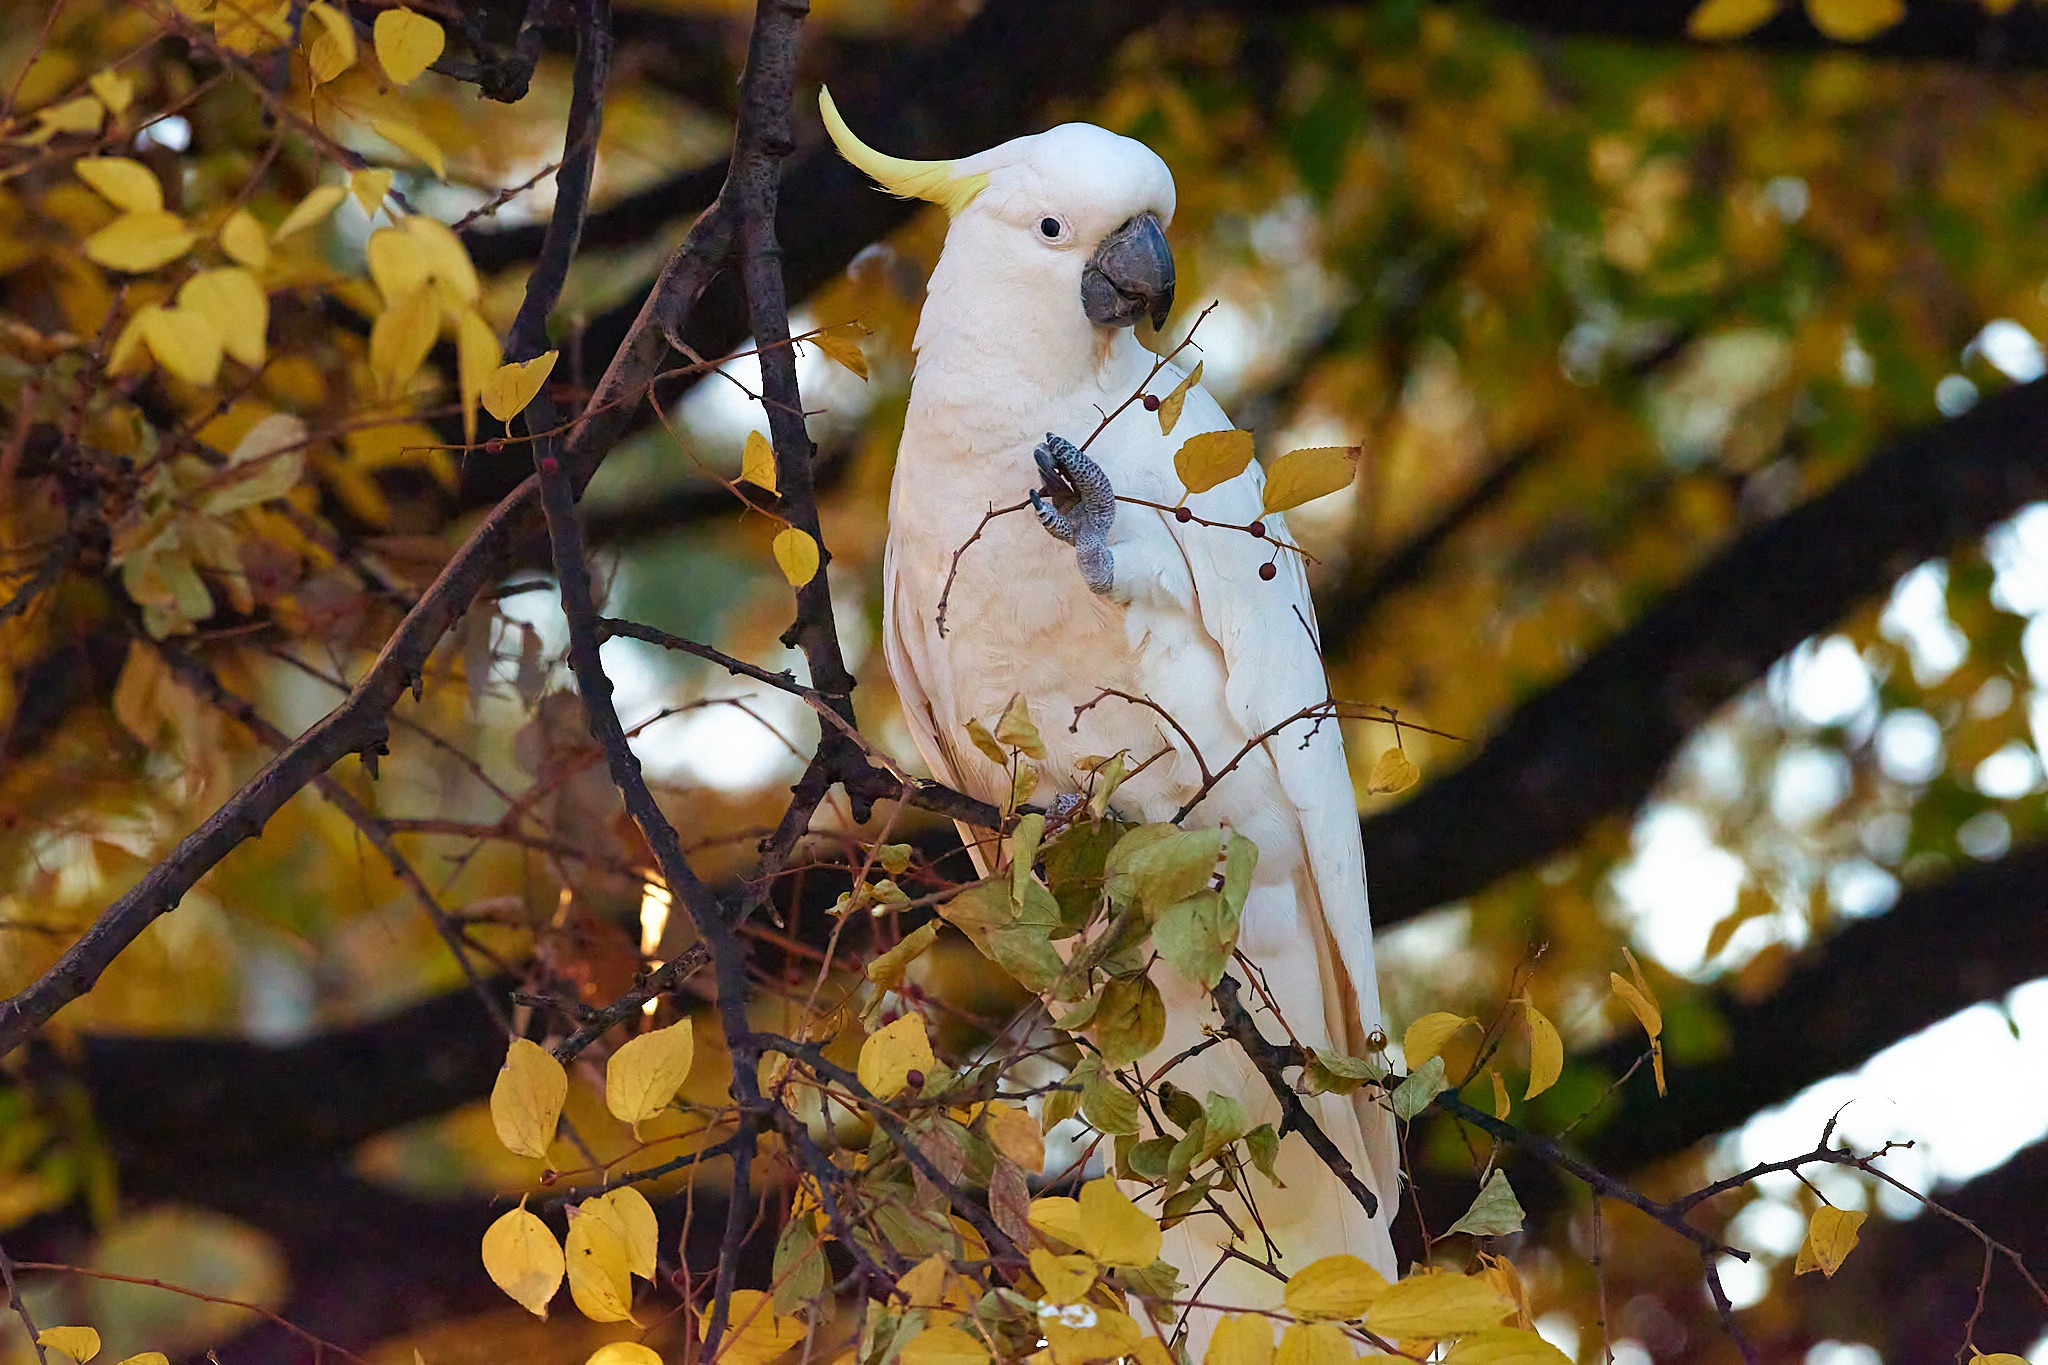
x=1056 y=248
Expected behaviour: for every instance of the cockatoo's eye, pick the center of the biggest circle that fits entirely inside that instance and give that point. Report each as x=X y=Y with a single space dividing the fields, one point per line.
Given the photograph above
x=1052 y=229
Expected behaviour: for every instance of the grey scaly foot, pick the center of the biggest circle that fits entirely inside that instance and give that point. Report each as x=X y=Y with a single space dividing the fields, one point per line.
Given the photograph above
x=1078 y=483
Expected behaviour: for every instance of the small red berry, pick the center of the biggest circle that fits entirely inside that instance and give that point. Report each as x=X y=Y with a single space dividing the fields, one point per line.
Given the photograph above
x=549 y=464
x=1267 y=571
x=1151 y=402
x=1258 y=528
x=494 y=446
x=914 y=1079
x=1183 y=514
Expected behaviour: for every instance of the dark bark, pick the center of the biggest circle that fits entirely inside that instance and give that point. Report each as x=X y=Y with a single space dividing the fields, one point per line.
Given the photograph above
x=1595 y=743
x=1973 y=936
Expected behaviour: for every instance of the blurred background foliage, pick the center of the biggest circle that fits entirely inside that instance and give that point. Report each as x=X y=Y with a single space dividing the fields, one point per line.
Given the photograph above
x=1599 y=308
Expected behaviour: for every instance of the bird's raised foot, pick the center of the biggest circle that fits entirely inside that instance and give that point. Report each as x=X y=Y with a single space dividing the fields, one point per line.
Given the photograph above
x=1077 y=504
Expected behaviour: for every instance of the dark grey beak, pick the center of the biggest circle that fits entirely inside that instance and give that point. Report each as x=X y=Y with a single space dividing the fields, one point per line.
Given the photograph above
x=1130 y=276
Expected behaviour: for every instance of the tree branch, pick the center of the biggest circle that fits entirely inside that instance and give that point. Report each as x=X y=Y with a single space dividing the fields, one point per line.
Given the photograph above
x=1596 y=742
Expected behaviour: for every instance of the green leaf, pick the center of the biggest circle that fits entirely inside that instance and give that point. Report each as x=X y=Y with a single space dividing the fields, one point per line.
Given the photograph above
x=1263 y=1142
x=799 y=1272
x=1156 y=1281
x=1240 y=856
x=1196 y=936
x=1495 y=1213
x=1183 y=1110
x=1130 y=1021
x=1025 y=951
x=1108 y=1107
x=1424 y=1084
x=1148 y=1158
x=1162 y=867
x=1226 y=1119
x=1024 y=852
x=1333 y=1073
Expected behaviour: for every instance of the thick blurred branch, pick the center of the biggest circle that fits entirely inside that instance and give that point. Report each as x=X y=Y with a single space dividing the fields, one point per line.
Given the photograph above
x=1943 y=947
x=1595 y=743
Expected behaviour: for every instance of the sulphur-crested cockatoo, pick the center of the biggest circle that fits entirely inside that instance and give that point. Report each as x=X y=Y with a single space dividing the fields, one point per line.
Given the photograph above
x=1056 y=248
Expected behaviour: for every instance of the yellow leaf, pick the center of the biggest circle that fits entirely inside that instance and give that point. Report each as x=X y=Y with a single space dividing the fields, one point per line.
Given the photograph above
x=1058 y=1217
x=887 y=970
x=1637 y=996
x=624 y=1353
x=139 y=242
x=1854 y=21
x=511 y=387
x=402 y=336
x=1435 y=1306
x=1113 y=1229
x=523 y=1258
x=1830 y=1237
x=1065 y=1279
x=755 y=1335
x=645 y=1073
x=1211 y=458
x=1501 y=1105
x=757 y=462
x=1016 y=730
x=407 y=138
x=80 y=1343
x=1245 y=1339
x=600 y=1272
x=128 y=185
x=81 y=115
x=526 y=1100
x=1392 y=772
x=1546 y=1051
x=397 y=261
x=407 y=44
x=1095 y=1334
x=2001 y=1358
x=242 y=238
x=247 y=27
x=1719 y=20
x=232 y=300
x=316 y=205
x=332 y=49
x=1315 y=1343
x=147 y=1358
x=1505 y=1346
x=185 y=342
x=447 y=257
x=1426 y=1037
x=476 y=359
x=632 y=1217
x=115 y=90
x=845 y=350
x=797 y=554
x=1341 y=1287
x=891 y=1053
x=1016 y=1135
x=370 y=186
x=1170 y=406
x=1302 y=476
x=944 y=1346
x=986 y=742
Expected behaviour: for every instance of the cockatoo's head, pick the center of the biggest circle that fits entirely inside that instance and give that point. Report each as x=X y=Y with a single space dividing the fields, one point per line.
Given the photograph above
x=1073 y=213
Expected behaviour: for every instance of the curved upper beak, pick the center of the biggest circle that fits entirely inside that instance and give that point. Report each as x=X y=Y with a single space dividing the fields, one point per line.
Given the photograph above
x=1130 y=276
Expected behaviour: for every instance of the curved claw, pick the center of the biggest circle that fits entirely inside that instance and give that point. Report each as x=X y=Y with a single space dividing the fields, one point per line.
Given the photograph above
x=1067 y=469
x=1052 y=519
